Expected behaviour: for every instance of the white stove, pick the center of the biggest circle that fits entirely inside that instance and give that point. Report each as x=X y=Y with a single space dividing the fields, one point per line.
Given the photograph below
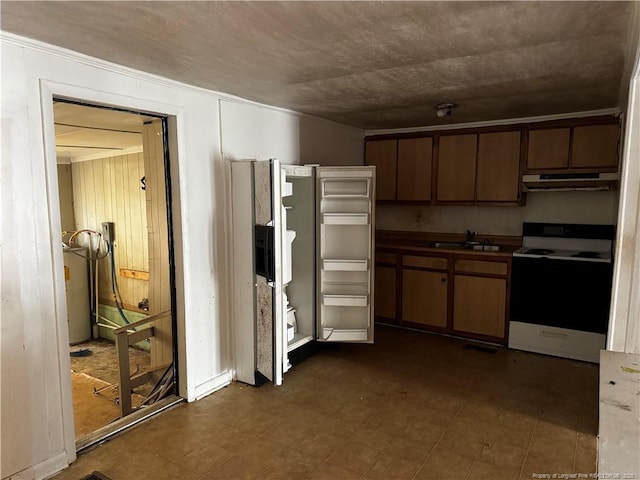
x=574 y=249
x=561 y=290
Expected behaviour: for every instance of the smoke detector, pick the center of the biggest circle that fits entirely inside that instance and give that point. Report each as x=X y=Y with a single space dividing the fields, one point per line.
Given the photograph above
x=444 y=109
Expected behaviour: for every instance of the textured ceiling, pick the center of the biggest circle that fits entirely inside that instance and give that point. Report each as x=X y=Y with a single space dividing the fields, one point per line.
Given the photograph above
x=367 y=64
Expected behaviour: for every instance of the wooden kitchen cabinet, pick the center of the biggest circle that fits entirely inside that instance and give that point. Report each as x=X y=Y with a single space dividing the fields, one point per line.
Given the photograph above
x=548 y=149
x=385 y=292
x=498 y=176
x=456 y=178
x=576 y=148
x=484 y=165
x=595 y=146
x=424 y=297
x=480 y=297
x=383 y=155
x=480 y=305
x=414 y=168
x=459 y=292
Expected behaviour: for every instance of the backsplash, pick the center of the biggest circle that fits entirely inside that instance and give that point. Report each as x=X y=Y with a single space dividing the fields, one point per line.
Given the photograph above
x=560 y=207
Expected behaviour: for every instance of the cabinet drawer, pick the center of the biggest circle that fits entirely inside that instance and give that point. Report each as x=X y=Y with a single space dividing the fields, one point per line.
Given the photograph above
x=424 y=262
x=386 y=258
x=478 y=266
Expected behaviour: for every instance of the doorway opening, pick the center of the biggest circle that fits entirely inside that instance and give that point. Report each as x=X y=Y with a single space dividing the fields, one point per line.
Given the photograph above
x=114 y=195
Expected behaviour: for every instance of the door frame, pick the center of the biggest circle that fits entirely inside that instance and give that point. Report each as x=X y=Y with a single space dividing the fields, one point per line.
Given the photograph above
x=174 y=114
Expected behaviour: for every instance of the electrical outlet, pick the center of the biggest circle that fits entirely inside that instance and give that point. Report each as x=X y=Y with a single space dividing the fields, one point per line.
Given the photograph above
x=109 y=232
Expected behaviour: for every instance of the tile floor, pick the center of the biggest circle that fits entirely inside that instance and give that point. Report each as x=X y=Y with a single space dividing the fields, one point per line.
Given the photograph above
x=411 y=406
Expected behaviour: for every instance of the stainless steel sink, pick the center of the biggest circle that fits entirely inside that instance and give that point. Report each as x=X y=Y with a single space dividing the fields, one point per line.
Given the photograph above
x=450 y=245
x=486 y=248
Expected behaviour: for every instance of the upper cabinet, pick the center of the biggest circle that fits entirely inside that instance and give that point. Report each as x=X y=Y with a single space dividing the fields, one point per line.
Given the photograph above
x=548 y=148
x=415 y=161
x=457 y=168
x=383 y=155
x=595 y=146
x=479 y=168
x=403 y=168
x=484 y=165
x=568 y=149
x=498 y=177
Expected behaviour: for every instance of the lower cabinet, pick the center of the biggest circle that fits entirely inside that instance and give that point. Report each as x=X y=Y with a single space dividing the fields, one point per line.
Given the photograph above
x=479 y=305
x=458 y=293
x=385 y=292
x=424 y=297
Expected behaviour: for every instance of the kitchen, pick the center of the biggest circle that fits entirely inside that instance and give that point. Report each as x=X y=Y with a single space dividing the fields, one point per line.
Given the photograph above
x=496 y=183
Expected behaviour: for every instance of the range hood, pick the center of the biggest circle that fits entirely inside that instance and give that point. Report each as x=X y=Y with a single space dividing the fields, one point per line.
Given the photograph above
x=564 y=182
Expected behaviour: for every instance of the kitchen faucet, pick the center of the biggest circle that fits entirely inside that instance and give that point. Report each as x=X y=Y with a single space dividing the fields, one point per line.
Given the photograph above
x=471 y=236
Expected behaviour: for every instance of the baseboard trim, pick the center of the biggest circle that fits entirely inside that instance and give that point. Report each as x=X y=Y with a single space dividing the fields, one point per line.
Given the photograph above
x=210 y=386
x=45 y=469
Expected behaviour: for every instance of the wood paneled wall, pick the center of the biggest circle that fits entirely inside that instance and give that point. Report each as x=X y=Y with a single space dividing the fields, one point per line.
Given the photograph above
x=109 y=190
x=65 y=193
x=159 y=273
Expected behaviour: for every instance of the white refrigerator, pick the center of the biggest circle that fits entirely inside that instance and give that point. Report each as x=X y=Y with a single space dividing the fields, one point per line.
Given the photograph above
x=303 y=261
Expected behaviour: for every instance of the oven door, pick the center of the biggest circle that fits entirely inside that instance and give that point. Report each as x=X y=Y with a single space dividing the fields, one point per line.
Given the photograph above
x=561 y=293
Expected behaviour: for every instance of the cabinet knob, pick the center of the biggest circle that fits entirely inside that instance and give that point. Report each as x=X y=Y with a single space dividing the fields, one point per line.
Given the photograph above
x=443 y=279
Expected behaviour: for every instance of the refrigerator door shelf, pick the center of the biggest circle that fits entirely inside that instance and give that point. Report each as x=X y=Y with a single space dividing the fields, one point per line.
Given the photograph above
x=287 y=189
x=345 y=265
x=356 y=187
x=299 y=339
x=345 y=300
x=345 y=218
x=340 y=335
x=346 y=288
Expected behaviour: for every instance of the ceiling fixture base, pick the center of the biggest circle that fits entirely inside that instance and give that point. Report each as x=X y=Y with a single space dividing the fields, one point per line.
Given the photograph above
x=444 y=109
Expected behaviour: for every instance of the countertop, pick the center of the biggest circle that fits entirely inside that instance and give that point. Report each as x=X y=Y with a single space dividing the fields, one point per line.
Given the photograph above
x=424 y=242
x=618 y=437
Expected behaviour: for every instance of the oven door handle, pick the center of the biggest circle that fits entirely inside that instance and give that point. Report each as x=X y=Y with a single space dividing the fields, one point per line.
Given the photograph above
x=552 y=334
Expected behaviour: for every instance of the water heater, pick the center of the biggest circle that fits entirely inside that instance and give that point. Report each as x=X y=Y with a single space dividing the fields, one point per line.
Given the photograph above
x=76 y=276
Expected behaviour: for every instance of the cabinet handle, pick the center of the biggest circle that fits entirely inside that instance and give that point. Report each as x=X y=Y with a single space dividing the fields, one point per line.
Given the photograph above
x=443 y=279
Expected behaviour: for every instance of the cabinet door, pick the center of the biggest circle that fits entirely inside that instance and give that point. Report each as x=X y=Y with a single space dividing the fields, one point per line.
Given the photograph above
x=548 y=149
x=479 y=305
x=382 y=154
x=414 y=168
x=424 y=297
x=595 y=146
x=385 y=292
x=498 y=167
x=457 y=168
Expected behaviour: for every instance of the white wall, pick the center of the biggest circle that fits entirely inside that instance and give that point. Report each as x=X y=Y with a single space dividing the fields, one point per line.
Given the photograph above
x=254 y=131
x=37 y=422
x=569 y=207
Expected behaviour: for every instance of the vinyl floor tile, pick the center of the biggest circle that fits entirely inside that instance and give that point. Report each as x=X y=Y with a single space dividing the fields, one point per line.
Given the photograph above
x=412 y=406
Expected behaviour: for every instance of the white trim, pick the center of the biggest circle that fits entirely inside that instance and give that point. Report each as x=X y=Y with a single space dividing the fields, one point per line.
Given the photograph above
x=44 y=469
x=58 y=280
x=48 y=90
x=216 y=383
x=102 y=154
x=491 y=123
x=624 y=320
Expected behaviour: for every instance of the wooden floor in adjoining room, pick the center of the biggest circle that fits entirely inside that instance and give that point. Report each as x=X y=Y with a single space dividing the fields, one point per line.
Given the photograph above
x=411 y=406
x=94 y=384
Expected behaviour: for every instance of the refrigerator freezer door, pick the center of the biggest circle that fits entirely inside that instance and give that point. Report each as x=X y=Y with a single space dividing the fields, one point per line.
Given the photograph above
x=270 y=327
x=345 y=247
x=260 y=333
